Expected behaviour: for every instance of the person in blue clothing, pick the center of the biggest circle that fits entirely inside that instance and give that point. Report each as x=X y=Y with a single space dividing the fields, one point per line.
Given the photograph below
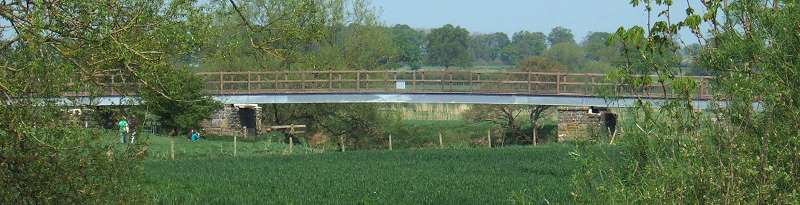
x=195 y=135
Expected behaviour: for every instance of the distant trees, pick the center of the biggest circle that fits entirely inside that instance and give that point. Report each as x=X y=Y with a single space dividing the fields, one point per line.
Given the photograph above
x=448 y=46
x=560 y=35
x=488 y=48
x=568 y=54
x=524 y=44
x=410 y=44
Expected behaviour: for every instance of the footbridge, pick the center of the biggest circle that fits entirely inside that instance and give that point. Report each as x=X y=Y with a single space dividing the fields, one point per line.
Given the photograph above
x=390 y=86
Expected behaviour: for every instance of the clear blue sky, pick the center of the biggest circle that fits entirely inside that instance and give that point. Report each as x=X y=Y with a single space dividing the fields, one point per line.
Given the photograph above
x=509 y=16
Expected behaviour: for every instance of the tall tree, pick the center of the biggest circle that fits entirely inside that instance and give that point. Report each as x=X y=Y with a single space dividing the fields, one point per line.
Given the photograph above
x=560 y=35
x=448 y=46
x=597 y=47
x=568 y=54
x=410 y=43
x=58 y=47
x=525 y=44
x=488 y=48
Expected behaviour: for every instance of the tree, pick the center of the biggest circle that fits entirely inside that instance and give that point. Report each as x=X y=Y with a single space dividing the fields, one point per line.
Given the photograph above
x=525 y=44
x=410 y=43
x=187 y=105
x=508 y=118
x=568 y=54
x=540 y=64
x=448 y=46
x=597 y=47
x=281 y=30
x=57 y=47
x=488 y=48
x=560 y=35
x=740 y=151
x=504 y=116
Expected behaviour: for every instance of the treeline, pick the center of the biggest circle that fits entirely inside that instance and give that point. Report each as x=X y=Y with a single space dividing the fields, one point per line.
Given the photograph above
x=336 y=35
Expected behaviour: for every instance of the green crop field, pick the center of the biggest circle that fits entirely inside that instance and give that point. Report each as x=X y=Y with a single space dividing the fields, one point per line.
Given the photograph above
x=262 y=175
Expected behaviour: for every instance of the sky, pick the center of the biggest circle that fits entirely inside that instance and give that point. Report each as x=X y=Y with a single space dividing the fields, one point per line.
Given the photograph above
x=509 y=16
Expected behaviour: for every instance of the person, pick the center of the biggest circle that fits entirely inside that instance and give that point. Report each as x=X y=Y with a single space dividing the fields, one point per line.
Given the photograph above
x=195 y=135
x=123 y=129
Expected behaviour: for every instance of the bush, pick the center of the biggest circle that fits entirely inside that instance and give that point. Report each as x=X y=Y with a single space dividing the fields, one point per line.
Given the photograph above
x=69 y=166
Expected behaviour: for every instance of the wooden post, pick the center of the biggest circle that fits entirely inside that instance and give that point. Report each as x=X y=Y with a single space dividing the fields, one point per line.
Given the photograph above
x=471 y=88
x=390 y=142
x=234 y=144
x=533 y=128
x=221 y=83
x=302 y=80
x=558 y=84
x=286 y=79
x=451 y=81
x=111 y=88
x=529 y=83
x=341 y=142
x=441 y=145
x=358 y=81
x=413 y=81
x=248 y=82
x=291 y=140
x=489 y=136
x=330 y=80
x=277 y=75
x=172 y=149
x=291 y=144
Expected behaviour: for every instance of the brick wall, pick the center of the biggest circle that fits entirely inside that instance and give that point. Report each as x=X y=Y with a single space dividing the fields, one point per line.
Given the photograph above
x=226 y=121
x=576 y=123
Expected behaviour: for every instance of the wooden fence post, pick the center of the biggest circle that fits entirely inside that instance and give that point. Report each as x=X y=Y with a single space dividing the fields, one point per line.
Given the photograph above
x=390 y=142
x=172 y=149
x=489 y=136
x=413 y=81
x=234 y=143
x=558 y=84
x=441 y=145
x=358 y=81
x=341 y=142
x=291 y=144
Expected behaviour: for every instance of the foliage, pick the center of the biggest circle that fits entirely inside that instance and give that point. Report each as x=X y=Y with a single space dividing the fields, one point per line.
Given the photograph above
x=598 y=49
x=568 y=54
x=540 y=64
x=358 y=123
x=446 y=176
x=560 y=35
x=410 y=44
x=739 y=153
x=56 y=47
x=509 y=118
x=448 y=46
x=188 y=103
x=65 y=165
x=523 y=45
x=488 y=48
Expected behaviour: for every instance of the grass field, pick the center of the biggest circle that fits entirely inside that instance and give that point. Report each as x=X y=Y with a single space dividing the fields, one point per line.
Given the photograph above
x=201 y=175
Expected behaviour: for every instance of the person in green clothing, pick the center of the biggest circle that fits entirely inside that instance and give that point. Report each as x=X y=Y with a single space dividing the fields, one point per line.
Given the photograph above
x=123 y=129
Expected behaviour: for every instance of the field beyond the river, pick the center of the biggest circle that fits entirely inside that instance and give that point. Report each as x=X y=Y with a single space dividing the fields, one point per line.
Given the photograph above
x=512 y=175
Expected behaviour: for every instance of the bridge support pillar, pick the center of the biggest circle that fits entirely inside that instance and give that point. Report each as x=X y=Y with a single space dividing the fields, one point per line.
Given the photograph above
x=585 y=123
x=232 y=119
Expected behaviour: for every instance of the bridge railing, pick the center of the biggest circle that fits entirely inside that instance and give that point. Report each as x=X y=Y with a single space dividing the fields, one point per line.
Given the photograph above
x=524 y=83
